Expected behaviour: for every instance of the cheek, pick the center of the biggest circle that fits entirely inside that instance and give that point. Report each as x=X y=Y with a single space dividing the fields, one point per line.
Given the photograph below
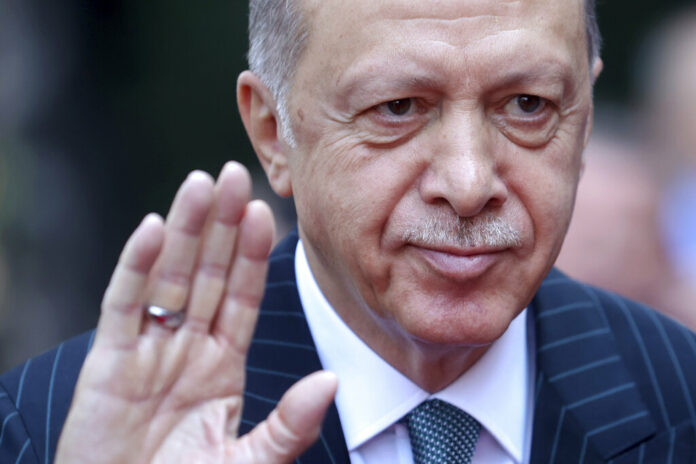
x=545 y=182
x=346 y=193
x=360 y=182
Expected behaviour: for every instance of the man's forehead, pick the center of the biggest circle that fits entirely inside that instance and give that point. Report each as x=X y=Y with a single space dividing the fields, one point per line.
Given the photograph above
x=341 y=34
x=541 y=10
x=339 y=26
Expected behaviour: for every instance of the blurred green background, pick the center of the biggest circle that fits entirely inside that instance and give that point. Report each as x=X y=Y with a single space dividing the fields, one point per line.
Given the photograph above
x=106 y=106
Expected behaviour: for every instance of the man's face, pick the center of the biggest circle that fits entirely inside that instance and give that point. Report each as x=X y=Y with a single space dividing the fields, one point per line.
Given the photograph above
x=412 y=114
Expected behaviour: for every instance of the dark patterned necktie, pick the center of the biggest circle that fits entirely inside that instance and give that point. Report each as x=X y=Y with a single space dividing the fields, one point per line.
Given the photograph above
x=442 y=434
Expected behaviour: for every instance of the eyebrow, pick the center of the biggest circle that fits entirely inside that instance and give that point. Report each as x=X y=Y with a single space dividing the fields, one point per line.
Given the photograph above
x=419 y=74
x=547 y=70
x=552 y=74
x=382 y=78
x=523 y=78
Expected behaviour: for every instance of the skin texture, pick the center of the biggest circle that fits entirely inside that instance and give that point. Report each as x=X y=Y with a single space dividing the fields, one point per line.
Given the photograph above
x=361 y=176
x=458 y=146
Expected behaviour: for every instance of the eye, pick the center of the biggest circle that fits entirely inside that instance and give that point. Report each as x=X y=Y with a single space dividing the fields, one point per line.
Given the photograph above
x=400 y=107
x=395 y=121
x=529 y=103
x=526 y=105
x=528 y=120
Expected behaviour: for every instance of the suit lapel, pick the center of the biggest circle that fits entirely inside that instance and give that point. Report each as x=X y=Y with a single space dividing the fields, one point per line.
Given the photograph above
x=282 y=352
x=587 y=407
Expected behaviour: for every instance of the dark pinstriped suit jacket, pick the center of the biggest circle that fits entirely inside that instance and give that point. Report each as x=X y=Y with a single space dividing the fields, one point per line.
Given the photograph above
x=616 y=382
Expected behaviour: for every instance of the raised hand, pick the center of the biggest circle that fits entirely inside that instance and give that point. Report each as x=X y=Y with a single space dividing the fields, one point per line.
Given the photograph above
x=148 y=393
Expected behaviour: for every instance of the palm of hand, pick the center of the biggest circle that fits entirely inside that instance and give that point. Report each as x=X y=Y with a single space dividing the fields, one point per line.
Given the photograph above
x=176 y=392
x=150 y=394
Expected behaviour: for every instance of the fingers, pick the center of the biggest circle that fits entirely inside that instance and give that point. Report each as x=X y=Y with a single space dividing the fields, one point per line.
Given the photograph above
x=236 y=319
x=214 y=243
x=169 y=287
x=119 y=324
x=292 y=427
x=231 y=197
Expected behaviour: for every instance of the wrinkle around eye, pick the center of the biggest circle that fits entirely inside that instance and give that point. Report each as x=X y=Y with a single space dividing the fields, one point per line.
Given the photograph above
x=376 y=126
x=530 y=130
x=535 y=137
x=386 y=139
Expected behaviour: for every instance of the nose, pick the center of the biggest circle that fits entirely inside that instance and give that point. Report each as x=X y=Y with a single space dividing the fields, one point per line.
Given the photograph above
x=462 y=170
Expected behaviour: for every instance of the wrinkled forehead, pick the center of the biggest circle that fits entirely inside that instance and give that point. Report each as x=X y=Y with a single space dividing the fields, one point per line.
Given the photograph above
x=342 y=11
x=337 y=26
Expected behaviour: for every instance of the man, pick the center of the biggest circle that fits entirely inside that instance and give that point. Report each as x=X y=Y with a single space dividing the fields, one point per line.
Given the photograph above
x=433 y=150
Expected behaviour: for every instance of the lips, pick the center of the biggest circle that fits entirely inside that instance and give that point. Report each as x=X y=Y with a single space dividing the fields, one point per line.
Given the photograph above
x=458 y=263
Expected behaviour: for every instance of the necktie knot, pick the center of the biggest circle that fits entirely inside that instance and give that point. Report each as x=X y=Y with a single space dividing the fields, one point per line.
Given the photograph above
x=441 y=433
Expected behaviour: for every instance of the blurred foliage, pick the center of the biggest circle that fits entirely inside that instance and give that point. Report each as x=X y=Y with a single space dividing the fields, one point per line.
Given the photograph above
x=625 y=26
x=168 y=73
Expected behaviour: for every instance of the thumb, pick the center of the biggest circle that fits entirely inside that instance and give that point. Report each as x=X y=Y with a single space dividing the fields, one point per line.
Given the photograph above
x=292 y=426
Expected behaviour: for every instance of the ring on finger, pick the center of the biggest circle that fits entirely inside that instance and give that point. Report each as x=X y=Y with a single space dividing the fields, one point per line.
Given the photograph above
x=165 y=317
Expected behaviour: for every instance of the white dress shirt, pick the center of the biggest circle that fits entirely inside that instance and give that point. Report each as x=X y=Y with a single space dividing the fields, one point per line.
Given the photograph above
x=373 y=396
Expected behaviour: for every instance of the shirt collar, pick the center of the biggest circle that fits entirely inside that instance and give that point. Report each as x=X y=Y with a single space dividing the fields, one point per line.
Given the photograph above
x=372 y=395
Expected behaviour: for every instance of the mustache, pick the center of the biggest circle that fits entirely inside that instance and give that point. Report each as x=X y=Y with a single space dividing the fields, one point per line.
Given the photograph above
x=485 y=230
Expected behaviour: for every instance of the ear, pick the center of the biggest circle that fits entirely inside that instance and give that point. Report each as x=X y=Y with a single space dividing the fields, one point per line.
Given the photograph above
x=257 y=108
x=597 y=67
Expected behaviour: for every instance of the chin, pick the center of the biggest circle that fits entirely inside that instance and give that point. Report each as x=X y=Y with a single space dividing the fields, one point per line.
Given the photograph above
x=466 y=324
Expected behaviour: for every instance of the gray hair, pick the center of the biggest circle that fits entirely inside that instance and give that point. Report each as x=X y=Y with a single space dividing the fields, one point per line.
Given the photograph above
x=446 y=229
x=594 y=36
x=277 y=37
x=278 y=34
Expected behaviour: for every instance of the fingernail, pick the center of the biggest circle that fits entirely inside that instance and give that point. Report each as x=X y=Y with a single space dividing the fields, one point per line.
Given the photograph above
x=151 y=218
x=199 y=175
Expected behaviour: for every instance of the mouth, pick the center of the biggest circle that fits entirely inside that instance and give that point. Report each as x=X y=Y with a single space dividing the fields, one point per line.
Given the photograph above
x=458 y=263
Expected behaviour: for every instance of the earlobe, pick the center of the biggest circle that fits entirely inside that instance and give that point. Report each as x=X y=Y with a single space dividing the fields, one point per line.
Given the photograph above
x=257 y=108
x=597 y=67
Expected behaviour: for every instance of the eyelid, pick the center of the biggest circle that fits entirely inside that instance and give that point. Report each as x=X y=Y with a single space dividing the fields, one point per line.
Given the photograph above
x=383 y=129
x=414 y=103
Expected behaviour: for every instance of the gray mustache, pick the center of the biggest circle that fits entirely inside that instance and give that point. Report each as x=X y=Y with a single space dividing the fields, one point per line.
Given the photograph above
x=463 y=232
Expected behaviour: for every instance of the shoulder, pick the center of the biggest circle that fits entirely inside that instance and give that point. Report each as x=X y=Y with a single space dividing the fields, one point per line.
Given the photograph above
x=34 y=401
x=658 y=352
x=621 y=370
x=647 y=338
x=631 y=322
